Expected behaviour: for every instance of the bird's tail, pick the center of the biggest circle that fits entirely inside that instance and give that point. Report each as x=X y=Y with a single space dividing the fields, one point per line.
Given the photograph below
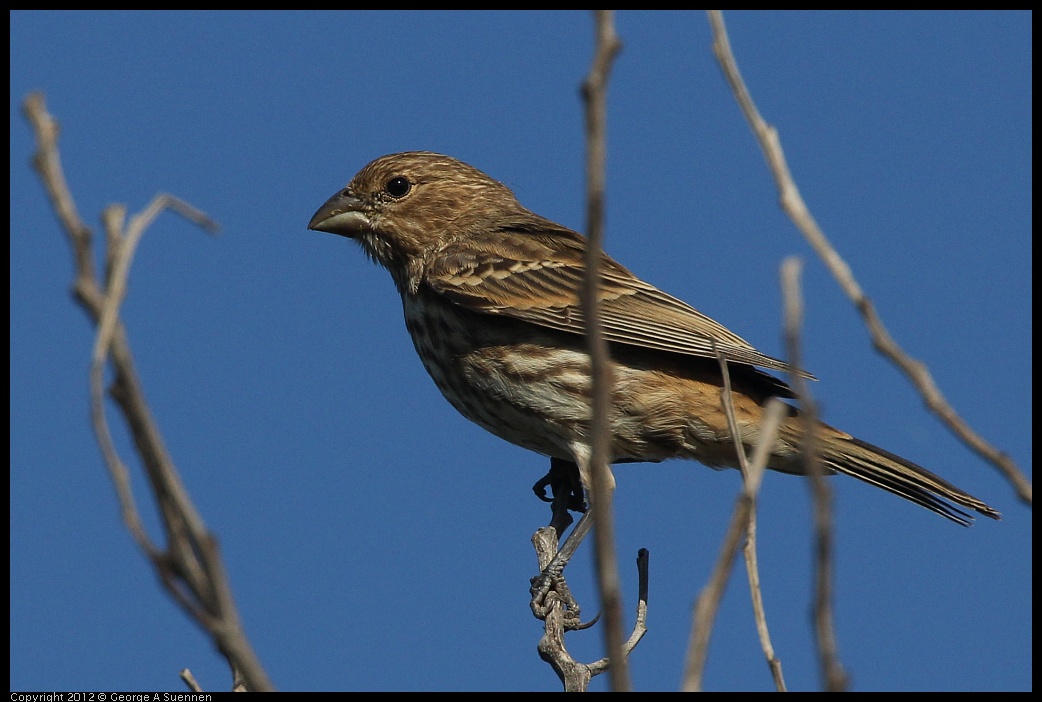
x=843 y=453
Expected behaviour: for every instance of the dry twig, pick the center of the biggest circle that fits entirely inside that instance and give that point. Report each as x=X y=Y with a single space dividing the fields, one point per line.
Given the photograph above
x=594 y=91
x=190 y=568
x=709 y=598
x=792 y=203
x=560 y=616
x=832 y=673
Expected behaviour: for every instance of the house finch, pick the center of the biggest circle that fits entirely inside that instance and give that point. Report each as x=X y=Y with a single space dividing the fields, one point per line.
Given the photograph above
x=491 y=298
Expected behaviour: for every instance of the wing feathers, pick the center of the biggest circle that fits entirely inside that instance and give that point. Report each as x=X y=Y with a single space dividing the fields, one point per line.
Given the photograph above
x=540 y=283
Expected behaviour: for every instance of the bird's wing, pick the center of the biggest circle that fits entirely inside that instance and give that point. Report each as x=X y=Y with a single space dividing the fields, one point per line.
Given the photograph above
x=537 y=278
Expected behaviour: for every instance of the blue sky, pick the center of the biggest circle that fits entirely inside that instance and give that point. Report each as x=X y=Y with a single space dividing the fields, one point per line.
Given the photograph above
x=378 y=541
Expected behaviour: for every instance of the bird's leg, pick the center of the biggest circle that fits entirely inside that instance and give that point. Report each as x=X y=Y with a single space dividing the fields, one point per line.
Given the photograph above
x=564 y=481
x=566 y=486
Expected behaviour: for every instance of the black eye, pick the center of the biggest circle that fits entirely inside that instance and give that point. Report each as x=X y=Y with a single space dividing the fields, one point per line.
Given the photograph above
x=398 y=186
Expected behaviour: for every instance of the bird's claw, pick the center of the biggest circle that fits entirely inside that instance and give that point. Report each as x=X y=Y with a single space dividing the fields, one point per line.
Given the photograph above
x=549 y=590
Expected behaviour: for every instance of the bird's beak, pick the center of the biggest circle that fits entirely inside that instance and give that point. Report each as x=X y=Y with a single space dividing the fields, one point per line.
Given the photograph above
x=341 y=214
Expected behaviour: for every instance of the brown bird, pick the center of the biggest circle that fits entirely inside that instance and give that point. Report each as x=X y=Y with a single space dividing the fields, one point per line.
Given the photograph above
x=491 y=298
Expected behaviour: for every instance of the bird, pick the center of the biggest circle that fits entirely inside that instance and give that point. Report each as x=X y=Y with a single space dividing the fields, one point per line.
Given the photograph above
x=491 y=298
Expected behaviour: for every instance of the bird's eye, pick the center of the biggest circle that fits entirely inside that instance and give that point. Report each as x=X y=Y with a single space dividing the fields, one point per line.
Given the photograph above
x=398 y=186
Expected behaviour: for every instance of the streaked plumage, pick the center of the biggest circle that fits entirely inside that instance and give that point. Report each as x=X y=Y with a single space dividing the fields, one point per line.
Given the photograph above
x=490 y=294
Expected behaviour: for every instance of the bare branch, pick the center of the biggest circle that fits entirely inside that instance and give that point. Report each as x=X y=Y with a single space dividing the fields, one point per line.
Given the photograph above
x=594 y=91
x=191 y=567
x=794 y=206
x=47 y=163
x=832 y=672
x=190 y=681
x=752 y=475
x=640 y=624
x=708 y=602
x=574 y=676
x=559 y=613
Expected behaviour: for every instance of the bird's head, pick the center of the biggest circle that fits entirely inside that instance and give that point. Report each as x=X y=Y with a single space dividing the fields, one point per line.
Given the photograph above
x=404 y=207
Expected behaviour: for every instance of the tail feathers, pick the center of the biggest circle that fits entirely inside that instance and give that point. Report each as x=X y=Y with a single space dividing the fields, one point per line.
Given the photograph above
x=879 y=467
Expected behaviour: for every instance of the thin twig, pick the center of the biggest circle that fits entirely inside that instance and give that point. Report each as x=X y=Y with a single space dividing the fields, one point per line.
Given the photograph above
x=708 y=602
x=752 y=478
x=121 y=248
x=832 y=672
x=575 y=676
x=640 y=624
x=190 y=680
x=558 y=618
x=751 y=482
x=594 y=91
x=191 y=567
x=794 y=206
x=776 y=410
